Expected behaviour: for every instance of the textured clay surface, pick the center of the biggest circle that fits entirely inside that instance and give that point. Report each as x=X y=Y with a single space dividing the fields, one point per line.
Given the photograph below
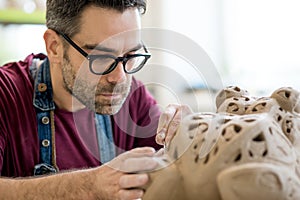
x=249 y=149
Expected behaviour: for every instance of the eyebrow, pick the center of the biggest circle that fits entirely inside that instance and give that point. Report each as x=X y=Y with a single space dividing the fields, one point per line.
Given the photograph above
x=99 y=48
x=109 y=50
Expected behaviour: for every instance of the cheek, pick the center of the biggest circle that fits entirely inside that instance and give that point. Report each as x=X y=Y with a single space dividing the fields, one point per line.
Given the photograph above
x=79 y=63
x=81 y=67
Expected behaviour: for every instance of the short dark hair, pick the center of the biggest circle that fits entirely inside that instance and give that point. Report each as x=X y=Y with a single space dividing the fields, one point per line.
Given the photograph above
x=64 y=15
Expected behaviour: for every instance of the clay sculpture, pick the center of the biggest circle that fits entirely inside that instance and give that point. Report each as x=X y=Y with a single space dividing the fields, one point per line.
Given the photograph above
x=248 y=149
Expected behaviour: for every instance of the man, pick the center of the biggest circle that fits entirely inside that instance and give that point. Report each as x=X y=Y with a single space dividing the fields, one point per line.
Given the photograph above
x=55 y=110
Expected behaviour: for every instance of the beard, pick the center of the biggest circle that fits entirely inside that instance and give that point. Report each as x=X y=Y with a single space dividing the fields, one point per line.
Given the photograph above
x=90 y=93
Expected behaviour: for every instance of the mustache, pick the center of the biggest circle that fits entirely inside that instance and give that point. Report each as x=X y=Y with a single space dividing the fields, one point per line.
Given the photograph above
x=112 y=88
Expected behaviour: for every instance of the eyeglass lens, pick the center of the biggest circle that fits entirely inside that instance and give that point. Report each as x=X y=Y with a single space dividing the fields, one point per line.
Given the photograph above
x=101 y=65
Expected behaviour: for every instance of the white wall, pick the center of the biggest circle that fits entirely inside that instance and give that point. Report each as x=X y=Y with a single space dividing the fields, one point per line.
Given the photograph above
x=18 y=41
x=195 y=22
x=254 y=44
x=263 y=43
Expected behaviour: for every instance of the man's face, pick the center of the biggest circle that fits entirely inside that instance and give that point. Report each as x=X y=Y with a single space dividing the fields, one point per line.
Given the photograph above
x=108 y=31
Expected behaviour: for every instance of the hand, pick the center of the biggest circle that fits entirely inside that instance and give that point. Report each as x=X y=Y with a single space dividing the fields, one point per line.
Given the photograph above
x=123 y=177
x=169 y=122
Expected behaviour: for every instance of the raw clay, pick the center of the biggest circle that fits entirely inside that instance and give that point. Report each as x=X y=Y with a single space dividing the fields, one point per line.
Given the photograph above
x=248 y=149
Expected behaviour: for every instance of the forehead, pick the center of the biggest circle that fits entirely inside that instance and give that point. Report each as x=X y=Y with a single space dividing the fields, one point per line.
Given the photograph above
x=110 y=27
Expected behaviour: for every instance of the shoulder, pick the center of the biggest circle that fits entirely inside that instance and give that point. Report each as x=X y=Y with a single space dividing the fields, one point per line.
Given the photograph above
x=19 y=67
x=15 y=78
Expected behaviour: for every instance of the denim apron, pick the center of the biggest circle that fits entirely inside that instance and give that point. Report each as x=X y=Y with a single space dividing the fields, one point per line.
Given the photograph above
x=44 y=105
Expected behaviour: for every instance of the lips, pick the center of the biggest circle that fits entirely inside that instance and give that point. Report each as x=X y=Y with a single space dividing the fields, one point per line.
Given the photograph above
x=111 y=95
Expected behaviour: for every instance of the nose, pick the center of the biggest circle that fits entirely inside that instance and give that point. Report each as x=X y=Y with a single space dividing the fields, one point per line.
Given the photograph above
x=118 y=75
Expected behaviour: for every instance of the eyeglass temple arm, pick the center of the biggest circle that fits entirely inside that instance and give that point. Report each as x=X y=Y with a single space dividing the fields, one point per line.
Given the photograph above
x=83 y=52
x=74 y=45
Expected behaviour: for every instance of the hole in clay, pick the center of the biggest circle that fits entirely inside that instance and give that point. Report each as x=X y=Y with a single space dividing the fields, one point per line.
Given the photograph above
x=249 y=120
x=287 y=94
x=237 y=128
x=193 y=126
x=206 y=159
x=288 y=121
x=265 y=153
x=195 y=146
x=235 y=110
x=196 y=159
x=223 y=132
x=231 y=104
x=191 y=137
x=270 y=130
x=227 y=120
x=237 y=89
x=279 y=118
x=247 y=99
x=254 y=110
x=175 y=155
x=238 y=157
x=216 y=150
x=250 y=153
x=280 y=109
x=259 y=138
x=264 y=104
x=246 y=107
x=197 y=118
x=236 y=99
x=288 y=130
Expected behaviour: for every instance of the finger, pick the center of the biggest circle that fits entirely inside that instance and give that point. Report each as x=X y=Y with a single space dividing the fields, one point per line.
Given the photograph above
x=143 y=150
x=138 y=153
x=160 y=152
x=167 y=116
x=133 y=181
x=118 y=162
x=173 y=126
x=130 y=194
x=132 y=165
x=161 y=136
x=164 y=121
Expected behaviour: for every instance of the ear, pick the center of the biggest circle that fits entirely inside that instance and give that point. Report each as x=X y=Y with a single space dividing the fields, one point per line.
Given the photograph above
x=54 y=46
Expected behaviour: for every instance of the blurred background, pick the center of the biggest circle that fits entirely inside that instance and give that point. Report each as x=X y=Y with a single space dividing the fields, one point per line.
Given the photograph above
x=253 y=44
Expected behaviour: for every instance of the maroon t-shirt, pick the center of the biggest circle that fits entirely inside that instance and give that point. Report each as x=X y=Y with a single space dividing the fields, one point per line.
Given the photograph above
x=75 y=133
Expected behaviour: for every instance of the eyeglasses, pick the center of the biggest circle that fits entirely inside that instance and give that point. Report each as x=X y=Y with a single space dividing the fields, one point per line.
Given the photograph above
x=104 y=64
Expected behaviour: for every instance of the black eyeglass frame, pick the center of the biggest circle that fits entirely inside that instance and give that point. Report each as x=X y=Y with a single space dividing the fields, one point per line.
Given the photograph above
x=123 y=59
